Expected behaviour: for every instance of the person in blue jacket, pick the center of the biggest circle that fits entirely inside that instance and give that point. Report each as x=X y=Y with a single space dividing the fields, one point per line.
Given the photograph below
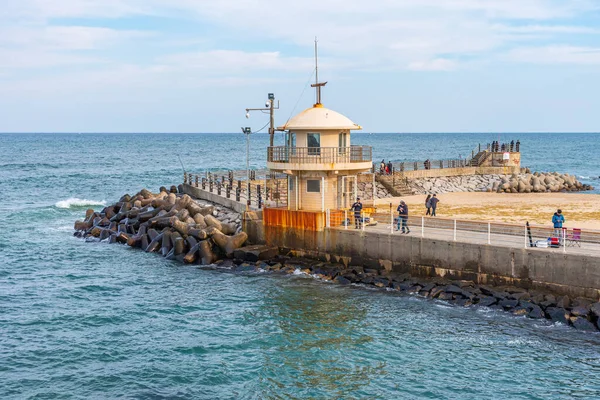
x=357 y=207
x=558 y=219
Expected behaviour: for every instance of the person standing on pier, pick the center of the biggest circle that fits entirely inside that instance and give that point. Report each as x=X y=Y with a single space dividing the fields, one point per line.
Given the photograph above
x=403 y=217
x=428 y=204
x=389 y=167
x=558 y=220
x=433 y=201
x=382 y=167
x=357 y=207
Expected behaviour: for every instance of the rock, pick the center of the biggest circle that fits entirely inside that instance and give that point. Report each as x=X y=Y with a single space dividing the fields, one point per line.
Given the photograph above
x=536 y=312
x=212 y=221
x=563 y=302
x=583 y=324
x=256 y=253
x=595 y=309
x=487 y=301
x=341 y=280
x=557 y=314
x=206 y=253
x=508 y=304
x=229 y=243
x=245 y=267
x=580 y=311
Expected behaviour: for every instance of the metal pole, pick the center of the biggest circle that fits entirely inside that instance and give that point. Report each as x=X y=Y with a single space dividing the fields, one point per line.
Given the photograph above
x=526 y=237
x=322 y=193
x=374 y=190
x=271 y=122
x=362 y=220
x=346 y=223
x=422 y=226
x=489 y=233
x=391 y=220
x=455 y=230
x=248 y=157
x=564 y=241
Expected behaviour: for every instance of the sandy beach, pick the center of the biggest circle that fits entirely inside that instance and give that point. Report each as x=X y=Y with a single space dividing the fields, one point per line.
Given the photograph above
x=580 y=210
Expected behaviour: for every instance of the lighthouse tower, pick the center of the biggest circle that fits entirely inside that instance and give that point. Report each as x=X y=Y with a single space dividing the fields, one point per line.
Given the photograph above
x=318 y=158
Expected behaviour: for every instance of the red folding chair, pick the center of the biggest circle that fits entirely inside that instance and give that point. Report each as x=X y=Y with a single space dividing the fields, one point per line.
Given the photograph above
x=574 y=238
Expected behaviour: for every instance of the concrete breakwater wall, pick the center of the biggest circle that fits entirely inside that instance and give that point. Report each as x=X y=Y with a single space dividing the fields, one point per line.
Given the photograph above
x=171 y=224
x=528 y=268
x=517 y=183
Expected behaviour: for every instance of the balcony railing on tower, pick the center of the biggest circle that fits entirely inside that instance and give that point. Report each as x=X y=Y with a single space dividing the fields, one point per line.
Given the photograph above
x=319 y=155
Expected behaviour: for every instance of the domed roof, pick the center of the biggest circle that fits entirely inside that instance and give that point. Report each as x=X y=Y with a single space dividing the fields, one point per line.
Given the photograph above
x=319 y=118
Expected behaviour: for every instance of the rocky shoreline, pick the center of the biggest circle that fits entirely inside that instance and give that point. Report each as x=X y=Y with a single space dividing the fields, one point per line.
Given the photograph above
x=197 y=232
x=580 y=313
x=516 y=183
x=174 y=225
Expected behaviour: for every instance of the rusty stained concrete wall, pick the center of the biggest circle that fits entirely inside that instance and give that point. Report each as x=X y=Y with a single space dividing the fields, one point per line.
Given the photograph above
x=575 y=275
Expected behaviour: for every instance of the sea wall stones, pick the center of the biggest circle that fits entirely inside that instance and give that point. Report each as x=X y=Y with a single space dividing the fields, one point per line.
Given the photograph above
x=516 y=183
x=580 y=313
x=173 y=225
x=365 y=191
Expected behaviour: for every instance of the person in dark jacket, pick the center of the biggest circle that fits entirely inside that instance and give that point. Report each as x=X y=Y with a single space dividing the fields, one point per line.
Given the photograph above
x=428 y=204
x=434 y=201
x=403 y=217
x=558 y=220
x=357 y=207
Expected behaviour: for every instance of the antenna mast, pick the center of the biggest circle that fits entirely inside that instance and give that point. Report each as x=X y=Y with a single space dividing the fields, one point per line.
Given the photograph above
x=318 y=85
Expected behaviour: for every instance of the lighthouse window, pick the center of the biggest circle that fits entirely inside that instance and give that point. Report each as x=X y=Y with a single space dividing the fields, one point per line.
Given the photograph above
x=313 y=186
x=313 y=141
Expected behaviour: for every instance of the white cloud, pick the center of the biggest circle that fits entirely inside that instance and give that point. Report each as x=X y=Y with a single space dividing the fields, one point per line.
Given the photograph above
x=438 y=64
x=556 y=55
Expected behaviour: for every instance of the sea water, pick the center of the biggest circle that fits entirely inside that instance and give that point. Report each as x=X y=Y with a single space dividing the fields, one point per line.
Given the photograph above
x=91 y=320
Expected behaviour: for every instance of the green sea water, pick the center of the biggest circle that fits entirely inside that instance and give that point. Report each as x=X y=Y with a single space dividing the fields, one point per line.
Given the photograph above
x=96 y=321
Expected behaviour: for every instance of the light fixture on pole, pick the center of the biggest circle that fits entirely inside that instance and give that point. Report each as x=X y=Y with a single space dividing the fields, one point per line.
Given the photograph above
x=247 y=131
x=270 y=107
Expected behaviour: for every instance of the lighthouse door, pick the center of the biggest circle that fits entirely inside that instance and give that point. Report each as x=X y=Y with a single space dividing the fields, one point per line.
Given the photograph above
x=347 y=191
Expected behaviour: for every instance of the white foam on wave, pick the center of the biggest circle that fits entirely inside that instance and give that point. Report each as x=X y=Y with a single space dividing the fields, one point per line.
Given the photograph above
x=77 y=202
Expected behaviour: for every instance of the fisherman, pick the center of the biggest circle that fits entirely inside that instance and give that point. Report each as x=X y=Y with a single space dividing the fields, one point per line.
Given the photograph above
x=357 y=207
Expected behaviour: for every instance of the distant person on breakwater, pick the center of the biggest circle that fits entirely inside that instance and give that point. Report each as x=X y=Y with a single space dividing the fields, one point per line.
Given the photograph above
x=433 y=201
x=403 y=217
x=357 y=207
x=389 y=167
x=558 y=219
x=428 y=204
x=382 y=167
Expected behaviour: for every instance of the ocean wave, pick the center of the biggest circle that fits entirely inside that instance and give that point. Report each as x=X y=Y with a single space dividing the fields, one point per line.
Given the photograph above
x=77 y=202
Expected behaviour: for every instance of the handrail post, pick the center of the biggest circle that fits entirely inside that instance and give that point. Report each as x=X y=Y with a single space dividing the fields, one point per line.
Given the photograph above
x=391 y=220
x=327 y=219
x=362 y=220
x=525 y=236
x=489 y=233
x=422 y=226
x=455 y=230
x=564 y=239
x=346 y=222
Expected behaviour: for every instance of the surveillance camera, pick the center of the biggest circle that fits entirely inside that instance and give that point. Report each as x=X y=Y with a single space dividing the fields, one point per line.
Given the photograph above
x=247 y=115
x=267 y=103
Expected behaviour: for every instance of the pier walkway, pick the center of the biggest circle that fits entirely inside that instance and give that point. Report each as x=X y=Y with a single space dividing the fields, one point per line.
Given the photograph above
x=584 y=242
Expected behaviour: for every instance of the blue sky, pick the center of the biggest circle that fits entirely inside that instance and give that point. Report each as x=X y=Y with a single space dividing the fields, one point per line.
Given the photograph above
x=392 y=65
